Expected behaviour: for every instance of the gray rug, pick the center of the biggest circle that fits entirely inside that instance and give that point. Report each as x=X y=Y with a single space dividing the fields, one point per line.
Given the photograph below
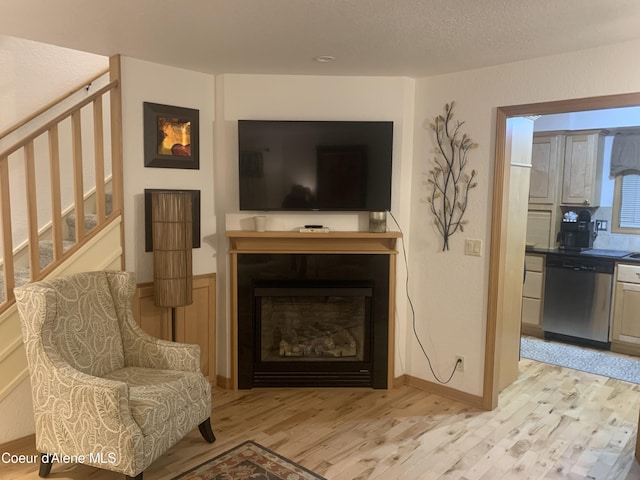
x=592 y=361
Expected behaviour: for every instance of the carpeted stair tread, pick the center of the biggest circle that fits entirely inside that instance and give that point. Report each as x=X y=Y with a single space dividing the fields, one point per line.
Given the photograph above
x=46 y=251
x=90 y=221
x=23 y=275
x=108 y=203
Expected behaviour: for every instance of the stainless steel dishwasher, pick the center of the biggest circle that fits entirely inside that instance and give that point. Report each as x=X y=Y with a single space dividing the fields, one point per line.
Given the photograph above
x=577 y=299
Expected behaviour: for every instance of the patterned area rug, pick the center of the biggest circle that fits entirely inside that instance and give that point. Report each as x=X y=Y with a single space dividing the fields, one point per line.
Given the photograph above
x=586 y=360
x=249 y=461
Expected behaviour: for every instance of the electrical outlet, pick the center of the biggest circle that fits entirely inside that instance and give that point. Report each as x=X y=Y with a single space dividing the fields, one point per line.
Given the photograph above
x=460 y=363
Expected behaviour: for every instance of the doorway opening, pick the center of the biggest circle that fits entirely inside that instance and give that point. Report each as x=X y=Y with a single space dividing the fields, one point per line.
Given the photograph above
x=499 y=266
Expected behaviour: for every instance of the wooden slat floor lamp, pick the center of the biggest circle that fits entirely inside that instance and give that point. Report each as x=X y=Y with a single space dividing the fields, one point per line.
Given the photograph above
x=172 y=244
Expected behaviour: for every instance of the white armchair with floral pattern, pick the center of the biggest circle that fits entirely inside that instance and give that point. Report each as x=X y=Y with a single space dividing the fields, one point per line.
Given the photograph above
x=104 y=392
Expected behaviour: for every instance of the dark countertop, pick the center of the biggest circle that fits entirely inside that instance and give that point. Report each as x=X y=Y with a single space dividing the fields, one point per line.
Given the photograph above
x=593 y=253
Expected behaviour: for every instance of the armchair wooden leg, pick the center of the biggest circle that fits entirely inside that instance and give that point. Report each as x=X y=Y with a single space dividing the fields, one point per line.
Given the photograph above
x=137 y=477
x=206 y=432
x=45 y=465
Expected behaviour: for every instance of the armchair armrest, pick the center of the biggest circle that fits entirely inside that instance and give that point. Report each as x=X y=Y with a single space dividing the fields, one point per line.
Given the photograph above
x=143 y=350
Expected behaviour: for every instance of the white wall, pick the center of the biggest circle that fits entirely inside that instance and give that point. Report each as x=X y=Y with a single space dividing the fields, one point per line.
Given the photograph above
x=283 y=97
x=33 y=74
x=150 y=82
x=448 y=288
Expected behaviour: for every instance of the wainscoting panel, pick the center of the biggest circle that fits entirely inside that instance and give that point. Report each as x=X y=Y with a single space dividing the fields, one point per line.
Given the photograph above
x=195 y=323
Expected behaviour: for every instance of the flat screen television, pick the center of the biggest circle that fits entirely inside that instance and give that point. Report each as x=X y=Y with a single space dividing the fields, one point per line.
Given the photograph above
x=315 y=165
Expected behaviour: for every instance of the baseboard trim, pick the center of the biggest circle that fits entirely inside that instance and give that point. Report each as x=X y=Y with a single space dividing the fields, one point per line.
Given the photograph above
x=12 y=384
x=442 y=390
x=625 y=348
x=532 y=330
x=20 y=445
x=224 y=382
x=399 y=381
x=15 y=344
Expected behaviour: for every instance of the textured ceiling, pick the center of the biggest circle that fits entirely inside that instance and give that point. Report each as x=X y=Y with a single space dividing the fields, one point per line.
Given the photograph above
x=413 y=38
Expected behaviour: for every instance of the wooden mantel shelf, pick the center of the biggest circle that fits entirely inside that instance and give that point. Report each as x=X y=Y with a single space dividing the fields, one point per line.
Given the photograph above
x=241 y=241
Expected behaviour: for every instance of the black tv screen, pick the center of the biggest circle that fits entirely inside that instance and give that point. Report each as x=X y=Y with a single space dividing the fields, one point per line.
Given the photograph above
x=315 y=165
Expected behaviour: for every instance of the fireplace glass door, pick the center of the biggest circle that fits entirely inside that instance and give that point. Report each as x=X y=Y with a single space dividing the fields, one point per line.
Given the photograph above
x=313 y=324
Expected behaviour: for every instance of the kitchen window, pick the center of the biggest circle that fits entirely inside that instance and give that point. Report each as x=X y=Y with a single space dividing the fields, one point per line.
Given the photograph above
x=625 y=167
x=626 y=204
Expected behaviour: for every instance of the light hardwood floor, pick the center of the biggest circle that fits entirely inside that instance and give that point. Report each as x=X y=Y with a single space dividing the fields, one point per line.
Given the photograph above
x=552 y=423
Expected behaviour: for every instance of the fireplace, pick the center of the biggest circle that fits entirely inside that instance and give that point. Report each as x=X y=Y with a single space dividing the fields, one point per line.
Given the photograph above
x=313 y=320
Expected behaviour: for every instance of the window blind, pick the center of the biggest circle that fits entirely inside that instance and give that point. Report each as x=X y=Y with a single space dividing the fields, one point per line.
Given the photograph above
x=630 y=202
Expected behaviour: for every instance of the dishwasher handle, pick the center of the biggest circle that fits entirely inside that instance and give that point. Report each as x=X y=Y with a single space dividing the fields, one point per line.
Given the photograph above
x=580 y=265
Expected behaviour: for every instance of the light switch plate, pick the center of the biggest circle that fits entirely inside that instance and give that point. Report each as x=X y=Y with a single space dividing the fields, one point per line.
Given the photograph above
x=473 y=246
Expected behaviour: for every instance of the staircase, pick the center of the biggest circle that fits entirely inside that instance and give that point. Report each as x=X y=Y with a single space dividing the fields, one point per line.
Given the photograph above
x=65 y=163
x=22 y=274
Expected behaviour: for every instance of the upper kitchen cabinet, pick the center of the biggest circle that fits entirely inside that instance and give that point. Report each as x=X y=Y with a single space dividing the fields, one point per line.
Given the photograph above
x=541 y=226
x=547 y=157
x=582 y=179
x=546 y=162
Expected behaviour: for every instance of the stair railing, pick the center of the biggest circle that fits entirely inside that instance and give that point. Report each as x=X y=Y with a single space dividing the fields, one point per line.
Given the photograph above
x=26 y=152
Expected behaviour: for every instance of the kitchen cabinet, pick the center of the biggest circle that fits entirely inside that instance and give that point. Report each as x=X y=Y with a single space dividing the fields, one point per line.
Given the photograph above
x=566 y=172
x=625 y=319
x=541 y=226
x=532 y=296
x=582 y=171
x=546 y=160
x=547 y=156
x=638 y=443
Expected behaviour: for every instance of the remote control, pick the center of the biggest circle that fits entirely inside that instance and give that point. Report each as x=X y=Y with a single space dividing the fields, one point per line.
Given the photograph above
x=313 y=226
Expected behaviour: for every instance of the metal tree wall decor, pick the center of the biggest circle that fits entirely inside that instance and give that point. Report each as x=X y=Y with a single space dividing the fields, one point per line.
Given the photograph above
x=450 y=184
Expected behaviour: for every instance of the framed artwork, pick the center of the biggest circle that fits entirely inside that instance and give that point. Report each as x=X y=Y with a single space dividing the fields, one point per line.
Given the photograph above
x=171 y=136
x=195 y=216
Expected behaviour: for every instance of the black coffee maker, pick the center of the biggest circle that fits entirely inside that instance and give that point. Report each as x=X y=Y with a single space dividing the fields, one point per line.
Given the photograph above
x=578 y=234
